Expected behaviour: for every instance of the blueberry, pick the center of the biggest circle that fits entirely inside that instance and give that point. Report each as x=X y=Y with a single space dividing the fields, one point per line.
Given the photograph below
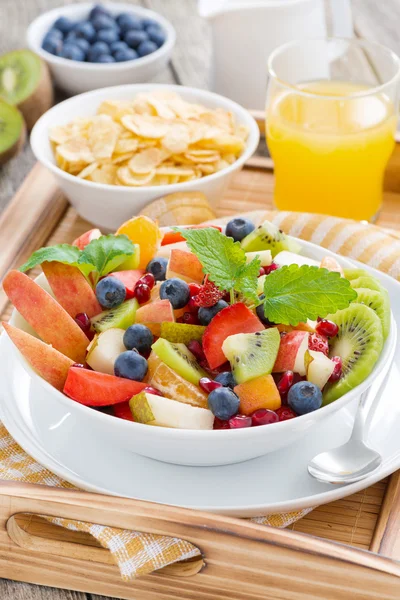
x=82 y=44
x=149 y=23
x=226 y=379
x=72 y=52
x=117 y=46
x=134 y=38
x=107 y=35
x=158 y=268
x=123 y=55
x=86 y=30
x=64 y=24
x=96 y=50
x=127 y=21
x=103 y=22
x=238 y=228
x=105 y=58
x=138 y=337
x=261 y=315
x=110 y=292
x=146 y=48
x=52 y=46
x=176 y=291
x=156 y=35
x=99 y=9
x=207 y=313
x=54 y=34
x=304 y=397
x=223 y=403
x=131 y=365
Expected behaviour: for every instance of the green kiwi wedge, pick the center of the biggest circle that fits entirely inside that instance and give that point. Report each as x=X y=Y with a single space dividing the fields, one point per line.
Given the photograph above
x=180 y=359
x=12 y=131
x=121 y=317
x=25 y=83
x=267 y=236
x=354 y=273
x=359 y=343
x=252 y=354
x=366 y=282
x=379 y=302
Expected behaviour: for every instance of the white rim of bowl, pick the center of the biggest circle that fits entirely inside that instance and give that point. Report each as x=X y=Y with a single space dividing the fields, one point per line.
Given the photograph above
x=246 y=119
x=71 y=9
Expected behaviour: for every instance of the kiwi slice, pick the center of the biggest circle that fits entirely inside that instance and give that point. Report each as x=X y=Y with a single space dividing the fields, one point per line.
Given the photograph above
x=252 y=354
x=355 y=273
x=359 y=343
x=379 y=302
x=267 y=236
x=366 y=281
x=121 y=317
x=25 y=82
x=180 y=359
x=12 y=131
x=181 y=333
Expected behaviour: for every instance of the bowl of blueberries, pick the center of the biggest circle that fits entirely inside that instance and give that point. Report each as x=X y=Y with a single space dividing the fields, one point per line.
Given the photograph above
x=90 y=46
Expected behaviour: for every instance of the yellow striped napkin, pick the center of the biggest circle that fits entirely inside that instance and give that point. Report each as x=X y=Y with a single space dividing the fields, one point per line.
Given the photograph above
x=137 y=553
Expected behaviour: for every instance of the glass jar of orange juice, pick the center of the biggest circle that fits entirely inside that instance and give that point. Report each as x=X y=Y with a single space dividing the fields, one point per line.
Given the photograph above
x=331 y=120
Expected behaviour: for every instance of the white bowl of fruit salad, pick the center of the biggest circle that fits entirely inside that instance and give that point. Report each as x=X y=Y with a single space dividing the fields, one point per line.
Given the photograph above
x=199 y=346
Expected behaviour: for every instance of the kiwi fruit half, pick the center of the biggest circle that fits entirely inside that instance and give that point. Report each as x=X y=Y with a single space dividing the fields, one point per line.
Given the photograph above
x=12 y=131
x=267 y=236
x=180 y=359
x=366 y=281
x=121 y=317
x=25 y=83
x=252 y=354
x=379 y=302
x=354 y=273
x=359 y=343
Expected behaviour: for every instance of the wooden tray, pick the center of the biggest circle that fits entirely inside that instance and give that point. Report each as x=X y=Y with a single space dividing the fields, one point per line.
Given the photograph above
x=242 y=560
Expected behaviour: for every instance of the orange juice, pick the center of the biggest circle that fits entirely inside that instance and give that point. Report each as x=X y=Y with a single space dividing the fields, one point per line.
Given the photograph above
x=330 y=150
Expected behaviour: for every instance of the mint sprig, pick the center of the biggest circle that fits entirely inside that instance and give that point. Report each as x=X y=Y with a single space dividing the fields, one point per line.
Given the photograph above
x=100 y=257
x=294 y=294
x=223 y=260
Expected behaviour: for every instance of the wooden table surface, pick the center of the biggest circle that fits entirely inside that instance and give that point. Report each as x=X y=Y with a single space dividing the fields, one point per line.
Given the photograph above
x=377 y=20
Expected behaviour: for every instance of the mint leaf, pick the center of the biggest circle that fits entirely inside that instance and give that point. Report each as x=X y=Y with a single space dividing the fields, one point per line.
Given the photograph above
x=294 y=294
x=105 y=254
x=246 y=280
x=63 y=253
x=221 y=257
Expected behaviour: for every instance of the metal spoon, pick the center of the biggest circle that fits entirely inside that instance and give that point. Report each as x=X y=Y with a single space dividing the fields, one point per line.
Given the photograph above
x=354 y=460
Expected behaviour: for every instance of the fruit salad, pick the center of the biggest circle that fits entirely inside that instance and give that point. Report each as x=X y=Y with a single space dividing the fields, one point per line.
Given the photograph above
x=196 y=327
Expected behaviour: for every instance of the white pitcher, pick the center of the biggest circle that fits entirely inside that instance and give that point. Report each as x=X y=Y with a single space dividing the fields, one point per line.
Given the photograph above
x=245 y=32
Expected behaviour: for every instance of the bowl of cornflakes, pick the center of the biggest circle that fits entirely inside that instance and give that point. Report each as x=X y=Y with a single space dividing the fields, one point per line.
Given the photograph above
x=115 y=150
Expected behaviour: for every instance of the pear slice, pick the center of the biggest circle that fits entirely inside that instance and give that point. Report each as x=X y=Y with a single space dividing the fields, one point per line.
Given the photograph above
x=319 y=367
x=164 y=412
x=104 y=350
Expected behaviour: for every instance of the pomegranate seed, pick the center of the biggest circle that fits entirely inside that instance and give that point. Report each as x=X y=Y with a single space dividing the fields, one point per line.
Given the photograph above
x=192 y=305
x=286 y=382
x=83 y=321
x=285 y=413
x=327 y=328
x=318 y=343
x=196 y=348
x=148 y=280
x=194 y=289
x=142 y=293
x=190 y=318
x=261 y=272
x=208 y=385
x=272 y=267
x=78 y=366
x=150 y=390
x=218 y=424
x=239 y=421
x=337 y=371
x=264 y=416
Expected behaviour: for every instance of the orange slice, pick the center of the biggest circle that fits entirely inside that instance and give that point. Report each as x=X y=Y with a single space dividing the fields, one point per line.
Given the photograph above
x=145 y=232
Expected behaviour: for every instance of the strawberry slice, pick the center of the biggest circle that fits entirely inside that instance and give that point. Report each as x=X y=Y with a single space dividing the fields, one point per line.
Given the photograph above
x=122 y=411
x=229 y=321
x=172 y=237
x=99 y=389
x=319 y=343
x=208 y=294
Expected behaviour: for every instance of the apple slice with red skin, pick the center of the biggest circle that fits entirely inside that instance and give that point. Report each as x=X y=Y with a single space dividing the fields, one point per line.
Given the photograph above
x=291 y=353
x=171 y=237
x=229 y=321
x=86 y=238
x=184 y=265
x=46 y=316
x=153 y=314
x=71 y=289
x=129 y=279
x=99 y=389
x=45 y=360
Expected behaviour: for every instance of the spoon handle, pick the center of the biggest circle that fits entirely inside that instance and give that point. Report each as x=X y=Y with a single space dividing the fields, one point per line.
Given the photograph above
x=365 y=408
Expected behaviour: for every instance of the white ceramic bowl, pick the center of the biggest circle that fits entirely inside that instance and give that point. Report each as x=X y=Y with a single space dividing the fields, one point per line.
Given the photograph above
x=205 y=448
x=107 y=206
x=77 y=77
